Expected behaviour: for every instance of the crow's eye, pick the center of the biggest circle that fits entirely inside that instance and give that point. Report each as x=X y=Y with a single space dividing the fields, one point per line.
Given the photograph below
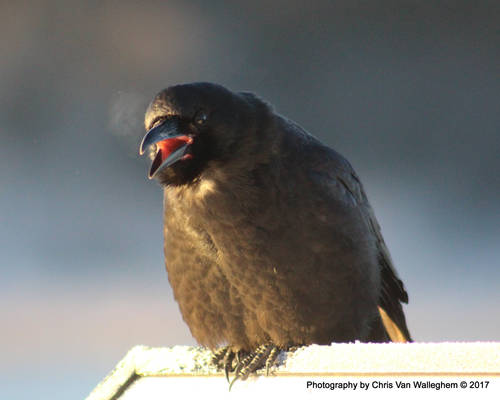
x=200 y=118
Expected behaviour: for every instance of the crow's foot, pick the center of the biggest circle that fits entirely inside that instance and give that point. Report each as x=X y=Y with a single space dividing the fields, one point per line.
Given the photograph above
x=263 y=356
x=243 y=363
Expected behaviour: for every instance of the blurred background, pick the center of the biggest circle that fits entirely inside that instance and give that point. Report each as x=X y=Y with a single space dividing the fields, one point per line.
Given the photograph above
x=408 y=91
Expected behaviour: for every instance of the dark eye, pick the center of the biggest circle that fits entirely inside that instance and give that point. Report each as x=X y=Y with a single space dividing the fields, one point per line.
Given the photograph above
x=200 y=118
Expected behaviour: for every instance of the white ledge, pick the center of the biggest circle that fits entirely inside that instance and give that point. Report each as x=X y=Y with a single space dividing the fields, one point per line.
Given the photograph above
x=478 y=359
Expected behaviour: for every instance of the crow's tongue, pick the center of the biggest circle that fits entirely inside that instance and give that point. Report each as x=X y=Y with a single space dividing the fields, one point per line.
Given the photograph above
x=168 y=146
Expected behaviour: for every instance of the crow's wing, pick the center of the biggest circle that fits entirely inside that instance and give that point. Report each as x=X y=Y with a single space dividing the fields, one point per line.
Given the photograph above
x=393 y=292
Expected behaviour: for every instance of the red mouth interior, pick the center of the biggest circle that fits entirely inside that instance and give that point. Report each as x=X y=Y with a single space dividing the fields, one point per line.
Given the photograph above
x=166 y=147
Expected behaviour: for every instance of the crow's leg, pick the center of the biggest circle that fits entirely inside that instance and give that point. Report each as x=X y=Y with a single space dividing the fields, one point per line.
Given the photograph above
x=263 y=356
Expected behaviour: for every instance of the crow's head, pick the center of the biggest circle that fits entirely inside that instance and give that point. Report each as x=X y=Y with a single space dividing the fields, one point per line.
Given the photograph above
x=191 y=125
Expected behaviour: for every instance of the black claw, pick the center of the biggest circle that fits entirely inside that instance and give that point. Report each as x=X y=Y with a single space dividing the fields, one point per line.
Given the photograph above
x=228 y=363
x=232 y=382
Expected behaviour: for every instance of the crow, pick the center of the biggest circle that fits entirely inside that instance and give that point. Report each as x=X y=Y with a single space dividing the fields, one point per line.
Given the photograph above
x=270 y=242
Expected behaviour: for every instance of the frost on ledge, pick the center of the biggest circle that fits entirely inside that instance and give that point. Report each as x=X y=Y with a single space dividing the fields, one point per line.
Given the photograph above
x=340 y=359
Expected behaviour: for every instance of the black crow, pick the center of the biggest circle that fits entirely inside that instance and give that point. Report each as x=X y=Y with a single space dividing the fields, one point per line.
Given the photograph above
x=270 y=242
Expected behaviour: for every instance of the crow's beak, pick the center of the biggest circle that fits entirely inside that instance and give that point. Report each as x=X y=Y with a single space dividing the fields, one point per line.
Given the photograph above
x=171 y=145
x=166 y=130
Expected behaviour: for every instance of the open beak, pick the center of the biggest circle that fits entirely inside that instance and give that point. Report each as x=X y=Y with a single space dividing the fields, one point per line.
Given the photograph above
x=171 y=145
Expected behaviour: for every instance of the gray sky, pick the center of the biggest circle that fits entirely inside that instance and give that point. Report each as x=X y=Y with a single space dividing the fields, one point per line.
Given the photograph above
x=407 y=91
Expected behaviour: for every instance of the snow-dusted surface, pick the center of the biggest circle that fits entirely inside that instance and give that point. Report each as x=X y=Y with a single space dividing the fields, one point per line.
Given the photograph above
x=352 y=359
